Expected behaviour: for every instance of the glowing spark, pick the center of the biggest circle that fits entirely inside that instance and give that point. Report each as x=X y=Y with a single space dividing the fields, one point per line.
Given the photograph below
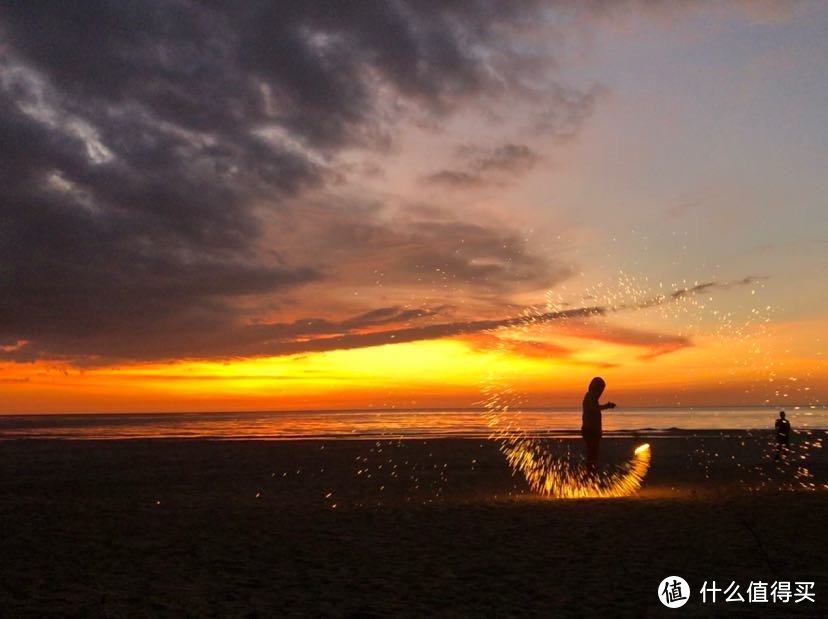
x=560 y=477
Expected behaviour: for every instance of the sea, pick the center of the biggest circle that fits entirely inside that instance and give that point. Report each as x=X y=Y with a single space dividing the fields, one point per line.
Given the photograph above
x=398 y=424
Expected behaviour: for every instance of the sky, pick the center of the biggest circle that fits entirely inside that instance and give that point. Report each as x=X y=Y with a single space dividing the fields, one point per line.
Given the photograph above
x=294 y=205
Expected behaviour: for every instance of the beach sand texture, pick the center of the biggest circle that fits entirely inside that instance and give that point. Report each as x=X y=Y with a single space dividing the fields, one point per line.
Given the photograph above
x=212 y=528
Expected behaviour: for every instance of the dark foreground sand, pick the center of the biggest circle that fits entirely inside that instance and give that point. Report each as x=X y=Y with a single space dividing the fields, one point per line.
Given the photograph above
x=198 y=528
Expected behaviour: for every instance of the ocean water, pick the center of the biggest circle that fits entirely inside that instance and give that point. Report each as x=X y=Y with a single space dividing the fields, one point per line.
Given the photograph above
x=394 y=424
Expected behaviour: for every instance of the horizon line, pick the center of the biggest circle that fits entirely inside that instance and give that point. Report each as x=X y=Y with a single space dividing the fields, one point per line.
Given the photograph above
x=434 y=409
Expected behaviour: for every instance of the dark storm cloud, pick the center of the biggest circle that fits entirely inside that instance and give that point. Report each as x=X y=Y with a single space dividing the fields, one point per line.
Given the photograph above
x=139 y=138
x=455 y=178
x=134 y=156
x=480 y=166
x=223 y=66
x=565 y=111
x=385 y=315
x=429 y=255
x=498 y=261
x=507 y=158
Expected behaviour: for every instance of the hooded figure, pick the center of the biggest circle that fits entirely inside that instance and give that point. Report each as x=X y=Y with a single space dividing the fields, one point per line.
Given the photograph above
x=591 y=429
x=783 y=431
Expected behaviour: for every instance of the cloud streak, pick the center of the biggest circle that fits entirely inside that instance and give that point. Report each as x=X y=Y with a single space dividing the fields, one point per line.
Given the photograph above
x=314 y=335
x=479 y=166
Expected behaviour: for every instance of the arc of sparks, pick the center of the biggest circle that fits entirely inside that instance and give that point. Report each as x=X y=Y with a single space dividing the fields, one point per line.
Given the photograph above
x=551 y=475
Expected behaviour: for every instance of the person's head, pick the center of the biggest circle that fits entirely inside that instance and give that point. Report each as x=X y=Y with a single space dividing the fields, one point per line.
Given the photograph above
x=596 y=386
x=781 y=414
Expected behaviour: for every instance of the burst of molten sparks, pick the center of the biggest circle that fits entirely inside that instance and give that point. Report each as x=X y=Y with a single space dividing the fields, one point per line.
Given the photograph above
x=547 y=473
x=556 y=477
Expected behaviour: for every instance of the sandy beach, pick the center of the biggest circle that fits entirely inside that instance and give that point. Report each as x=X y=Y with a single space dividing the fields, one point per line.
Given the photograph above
x=395 y=528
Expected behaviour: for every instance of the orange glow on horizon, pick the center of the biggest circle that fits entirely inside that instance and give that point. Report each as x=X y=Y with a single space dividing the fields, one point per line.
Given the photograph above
x=434 y=373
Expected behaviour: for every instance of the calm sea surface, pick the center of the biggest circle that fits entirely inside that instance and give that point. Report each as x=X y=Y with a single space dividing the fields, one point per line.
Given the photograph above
x=392 y=424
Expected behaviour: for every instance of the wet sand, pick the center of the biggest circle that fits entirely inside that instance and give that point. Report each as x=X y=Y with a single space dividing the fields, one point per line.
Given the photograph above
x=396 y=528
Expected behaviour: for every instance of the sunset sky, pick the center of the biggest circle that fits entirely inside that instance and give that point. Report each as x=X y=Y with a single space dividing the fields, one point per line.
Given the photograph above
x=293 y=205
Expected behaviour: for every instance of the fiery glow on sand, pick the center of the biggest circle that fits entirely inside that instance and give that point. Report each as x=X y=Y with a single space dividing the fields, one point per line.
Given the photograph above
x=560 y=479
x=553 y=475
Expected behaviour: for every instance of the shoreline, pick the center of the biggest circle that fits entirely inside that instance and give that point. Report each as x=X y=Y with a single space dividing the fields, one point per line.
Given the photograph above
x=642 y=434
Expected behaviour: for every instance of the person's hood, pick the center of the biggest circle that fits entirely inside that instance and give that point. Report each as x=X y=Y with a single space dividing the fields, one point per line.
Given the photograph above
x=597 y=386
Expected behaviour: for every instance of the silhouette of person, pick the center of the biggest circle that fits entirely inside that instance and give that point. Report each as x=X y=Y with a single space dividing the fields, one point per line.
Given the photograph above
x=591 y=429
x=783 y=432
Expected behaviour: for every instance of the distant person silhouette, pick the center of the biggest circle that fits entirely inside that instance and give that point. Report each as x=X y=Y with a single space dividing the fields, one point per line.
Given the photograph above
x=591 y=428
x=783 y=434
